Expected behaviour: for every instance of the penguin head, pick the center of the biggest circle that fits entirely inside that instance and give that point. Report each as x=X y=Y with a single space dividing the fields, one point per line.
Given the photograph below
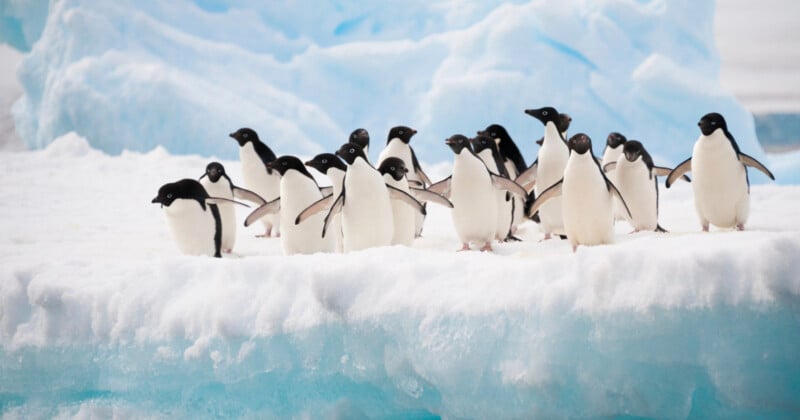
x=482 y=142
x=711 y=122
x=545 y=115
x=580 y=144
x=325 y=161
x=393 y=166
x=615 y=139
x=350 y=151
x=360 y=137
x=214 y=171
x=632 y=150
x=458 y=143
x=497 y=132
x=401 y=132
x=244 y=135
x=183 y=189
x=284 y=163
x=564 y=120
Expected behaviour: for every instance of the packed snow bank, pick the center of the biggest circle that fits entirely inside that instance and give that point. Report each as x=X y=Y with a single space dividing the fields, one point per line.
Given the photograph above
x=100 y=315
x=182 y=74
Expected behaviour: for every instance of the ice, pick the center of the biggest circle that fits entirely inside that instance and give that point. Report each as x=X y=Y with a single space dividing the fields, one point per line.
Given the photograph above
x=100 y=316
x=132 y=75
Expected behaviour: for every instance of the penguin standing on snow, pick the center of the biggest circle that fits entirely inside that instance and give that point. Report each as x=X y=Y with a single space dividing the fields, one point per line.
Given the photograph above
x=193 y=217
x=471 y=189
x=397 y=145
x=635 y=178
x=298 y=191
x=255 y=155
x=719 y=175
x=394 y=173
x=364 y=203
x=614 y=144
x=218 y=184
x=587 y=197
x=486 y=149
x=330 y=165
x=514 y=163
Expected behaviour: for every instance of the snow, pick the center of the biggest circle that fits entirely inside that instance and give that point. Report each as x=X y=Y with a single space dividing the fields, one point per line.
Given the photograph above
x=101 y=316
x=133 y=75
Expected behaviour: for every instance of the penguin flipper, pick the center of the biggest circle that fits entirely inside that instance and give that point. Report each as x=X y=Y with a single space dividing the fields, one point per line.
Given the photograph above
x=244 y=194
x=416 y=184
x=752 y=162
x=614 y=191
x=679 y=170
x=426 y=195
x=502 y=183
x=220 y=200
x=398 y=194
x=528 y=176
x=326 y=190
x=336 y=207
x=662 y=171
x=273 y=206
x=442 y=187
x=551 y=192
x=418 y=169
x=315 y=207
x=610 y=166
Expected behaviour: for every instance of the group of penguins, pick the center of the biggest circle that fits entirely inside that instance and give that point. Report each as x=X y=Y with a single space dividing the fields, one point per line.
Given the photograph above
x=571 y=193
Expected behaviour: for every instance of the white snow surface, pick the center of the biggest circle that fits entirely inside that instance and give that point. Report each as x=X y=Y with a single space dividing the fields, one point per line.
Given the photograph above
x=94 y=293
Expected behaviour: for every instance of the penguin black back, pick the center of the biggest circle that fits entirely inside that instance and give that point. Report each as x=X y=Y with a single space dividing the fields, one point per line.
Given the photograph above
x=508 y=149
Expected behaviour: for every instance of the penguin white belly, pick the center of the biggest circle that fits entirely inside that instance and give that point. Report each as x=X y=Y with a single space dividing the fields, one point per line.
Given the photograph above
x=403 y=215
x=638 y=190
x=192 y=227
x=474 y=200
x=612 y=155
x=504 y=213
x=552 y=161
x=227 y=213
x=337 y=179
x=719 y=182
x=256 y=179
x=518 y=215
x=367 y=211
x=396 y=148
x=297 y=193
x=588 y=217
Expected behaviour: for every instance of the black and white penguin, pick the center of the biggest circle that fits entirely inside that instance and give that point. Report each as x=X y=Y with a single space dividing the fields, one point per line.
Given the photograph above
x=471 y=188
x=394 y=173
x=330 y=165
x=217 y=183
x=193 y=217
x=612 y=151
x=514 y=163
x=255 y=155
x=587 y=197
x=486 y=149
x=719 y=175
x=298 y=190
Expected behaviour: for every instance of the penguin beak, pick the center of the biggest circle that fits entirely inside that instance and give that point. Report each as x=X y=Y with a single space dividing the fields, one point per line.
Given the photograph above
x=413 y=131
x=449 y=142
x=158 y=200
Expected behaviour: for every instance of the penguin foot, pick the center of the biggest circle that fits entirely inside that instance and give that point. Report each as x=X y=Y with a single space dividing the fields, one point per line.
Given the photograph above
x=740 y=227
x=547 y=237
x=465 y=247
x=705 y=228
x=487 y=247
x=228 y=251
x=574 y=248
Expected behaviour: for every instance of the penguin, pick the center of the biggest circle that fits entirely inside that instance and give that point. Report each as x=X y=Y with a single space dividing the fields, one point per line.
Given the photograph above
x=397 y=145
x=360 y=136
x=635 y=176
x=298 y=191
x=548 y=169
x=514 y=163
x=486 y=149
x=613 y=149
x=587 y=197
x=471 y=189
x=217 y=183
x=394 y=173
x=255 y=155
x=719 y=171
x=193 y=217
x=330 y=165
x=364 y=203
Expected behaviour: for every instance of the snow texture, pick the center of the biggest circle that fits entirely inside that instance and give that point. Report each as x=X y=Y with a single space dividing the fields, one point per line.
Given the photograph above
x=100 y=316
x=182 y=74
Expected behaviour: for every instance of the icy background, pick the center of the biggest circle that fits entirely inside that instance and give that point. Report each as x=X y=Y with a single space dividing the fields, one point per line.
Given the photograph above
x=182 y=74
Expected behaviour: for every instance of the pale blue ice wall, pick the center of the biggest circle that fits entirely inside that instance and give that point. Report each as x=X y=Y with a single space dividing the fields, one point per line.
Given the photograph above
x=183 y=74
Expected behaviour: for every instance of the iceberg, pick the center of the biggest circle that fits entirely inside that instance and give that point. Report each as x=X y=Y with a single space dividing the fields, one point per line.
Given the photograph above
x=131 y=75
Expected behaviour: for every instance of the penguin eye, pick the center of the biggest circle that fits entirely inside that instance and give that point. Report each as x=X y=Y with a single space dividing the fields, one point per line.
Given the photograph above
x=352 y=150
x=391 y=168
x=283 y=163
x=713 y=123
x=401 y=132
x=324 y=160
x=494 y=134
x=169 y=195
x=245 y=135
x=544 y=113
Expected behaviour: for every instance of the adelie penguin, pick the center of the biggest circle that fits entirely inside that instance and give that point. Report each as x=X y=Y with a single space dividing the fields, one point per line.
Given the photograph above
x=255 y=155
x=193 y=217
x=587 y=197
x=635 y=178
x=398 y=145
x=614 y=144
x=298 y=190
x=330 y=165
x=471 y=188
x=217 y=183
x=486 y=149
x=365 y=203
x=514 y=163
x=719 y=175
